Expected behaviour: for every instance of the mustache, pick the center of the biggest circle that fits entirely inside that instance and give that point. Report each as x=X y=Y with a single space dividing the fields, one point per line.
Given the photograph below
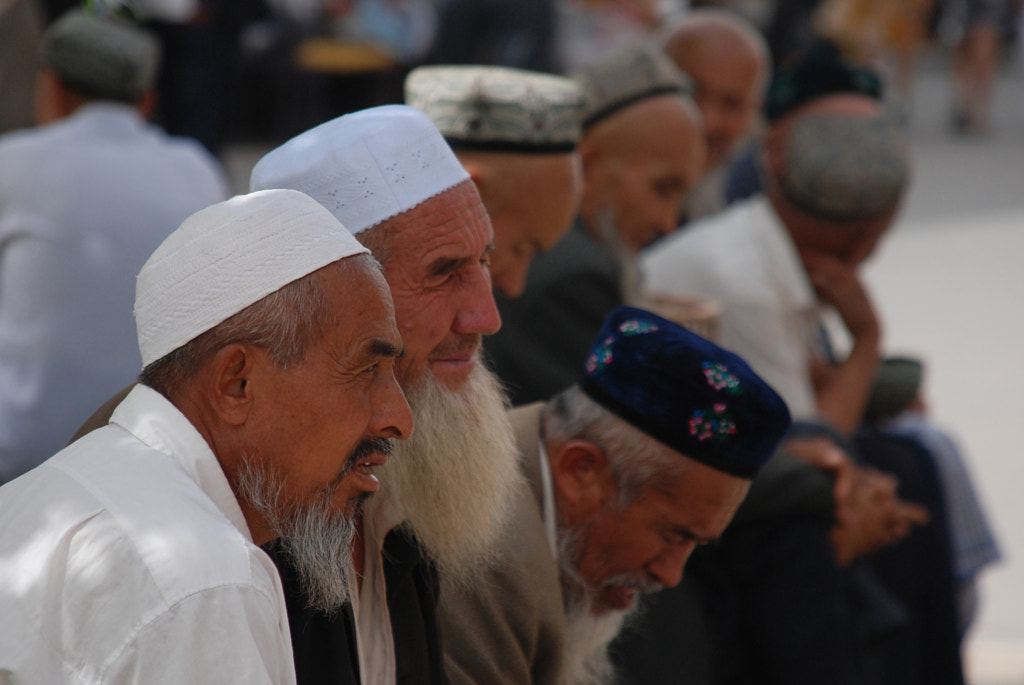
x=466 y=343
x=364 y=449
x=641 y=584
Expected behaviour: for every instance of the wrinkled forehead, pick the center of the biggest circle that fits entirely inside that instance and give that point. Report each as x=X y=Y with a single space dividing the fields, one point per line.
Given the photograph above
x=454 y=221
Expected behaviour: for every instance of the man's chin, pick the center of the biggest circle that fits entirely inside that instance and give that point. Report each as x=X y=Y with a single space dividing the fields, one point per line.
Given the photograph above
x=615 y=598
x=452 y=374
x=354 y=505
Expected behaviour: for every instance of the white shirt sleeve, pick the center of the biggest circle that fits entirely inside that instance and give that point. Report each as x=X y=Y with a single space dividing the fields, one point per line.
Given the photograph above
x=228 y=634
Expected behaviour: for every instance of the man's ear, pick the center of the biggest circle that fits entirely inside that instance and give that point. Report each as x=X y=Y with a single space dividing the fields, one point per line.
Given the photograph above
x=583 y=476
x=590 y=152
x=477 y=173
x=230 y=390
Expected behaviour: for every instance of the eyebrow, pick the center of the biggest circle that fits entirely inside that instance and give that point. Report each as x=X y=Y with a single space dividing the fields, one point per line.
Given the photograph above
x=382 y=348
x=688 y=534
x=446 y=265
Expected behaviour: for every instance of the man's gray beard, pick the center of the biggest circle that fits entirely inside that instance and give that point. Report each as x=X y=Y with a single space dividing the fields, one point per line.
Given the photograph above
x=587 y=634
x=455 y=479
x=314 y=537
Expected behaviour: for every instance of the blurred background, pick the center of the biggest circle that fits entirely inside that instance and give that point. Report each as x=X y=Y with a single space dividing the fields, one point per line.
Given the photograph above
x=242 y=76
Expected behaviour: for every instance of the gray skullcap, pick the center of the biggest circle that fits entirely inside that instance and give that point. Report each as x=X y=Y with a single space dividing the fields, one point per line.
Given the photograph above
x=897 y=384
x=628 y=76
x=498 y=108
x=100 y=58
x=845 y=168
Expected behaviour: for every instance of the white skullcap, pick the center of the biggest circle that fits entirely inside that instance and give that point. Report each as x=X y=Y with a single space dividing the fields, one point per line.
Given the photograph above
x=365 y=167
x=228 y=256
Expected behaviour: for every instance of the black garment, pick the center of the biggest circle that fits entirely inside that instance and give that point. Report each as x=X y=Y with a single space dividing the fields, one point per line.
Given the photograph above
x=768 y=603
x=547 y=332
x=919 y=569
x=325 y=647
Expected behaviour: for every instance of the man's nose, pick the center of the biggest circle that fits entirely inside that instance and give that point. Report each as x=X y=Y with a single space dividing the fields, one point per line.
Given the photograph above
x=392 y=416
x=478 y=314
x=668 y=566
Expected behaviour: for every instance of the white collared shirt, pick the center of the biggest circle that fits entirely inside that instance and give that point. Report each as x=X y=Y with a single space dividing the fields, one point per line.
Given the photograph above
x=125 y=558
x=745 y=261
x=374 y=636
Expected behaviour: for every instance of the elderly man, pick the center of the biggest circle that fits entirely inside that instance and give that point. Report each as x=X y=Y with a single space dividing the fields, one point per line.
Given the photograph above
x=641 y=150
x=389 y=176
x=268 y=398
x=646 y=458
x=836 y=171
x=727 y=59
x=83 y=203
x=516 y=134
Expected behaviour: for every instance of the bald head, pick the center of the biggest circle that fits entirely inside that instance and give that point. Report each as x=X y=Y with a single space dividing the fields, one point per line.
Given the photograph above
x=727 y=59
x=531 y=199
x=638 y=165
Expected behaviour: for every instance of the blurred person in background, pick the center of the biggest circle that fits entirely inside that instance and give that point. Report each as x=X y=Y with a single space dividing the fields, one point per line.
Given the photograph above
x=642 y=149
x=977 y=29
x=727 y=59
x=83 y=201
x=897 y=406
x=21 y=29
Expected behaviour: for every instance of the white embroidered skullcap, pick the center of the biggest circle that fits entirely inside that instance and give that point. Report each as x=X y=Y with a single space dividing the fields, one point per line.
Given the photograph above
x=228 y=256
x=498 y=109
x=365 y=167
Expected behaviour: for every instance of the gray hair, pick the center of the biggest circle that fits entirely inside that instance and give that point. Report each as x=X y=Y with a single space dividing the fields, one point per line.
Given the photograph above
x=639 y=462
x=283 y=324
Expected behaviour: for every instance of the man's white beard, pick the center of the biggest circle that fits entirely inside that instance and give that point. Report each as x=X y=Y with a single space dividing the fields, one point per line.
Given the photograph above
x=587 y=634
x=315 y=538
x=455 y=479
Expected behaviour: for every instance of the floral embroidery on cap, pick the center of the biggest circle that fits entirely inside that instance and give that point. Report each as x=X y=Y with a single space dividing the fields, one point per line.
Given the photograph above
x=601 y=356
x=713 y=423
x=637 y=327
x=720 y=378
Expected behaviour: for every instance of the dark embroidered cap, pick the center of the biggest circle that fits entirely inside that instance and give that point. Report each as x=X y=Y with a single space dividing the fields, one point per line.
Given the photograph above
x=815 y=73
x=498 y=109
x=690 y=394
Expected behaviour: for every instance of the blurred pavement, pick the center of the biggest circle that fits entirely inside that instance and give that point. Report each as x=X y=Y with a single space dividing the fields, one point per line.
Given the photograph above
x=949 y=282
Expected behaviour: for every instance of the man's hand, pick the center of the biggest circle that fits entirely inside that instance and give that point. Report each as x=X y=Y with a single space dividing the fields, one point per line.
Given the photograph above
x=838 y=285
x=824 y=454
x=878 y=517
x=842 y=390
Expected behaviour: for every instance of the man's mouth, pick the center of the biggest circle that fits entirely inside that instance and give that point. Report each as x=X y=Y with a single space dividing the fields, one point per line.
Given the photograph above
x=377 y=459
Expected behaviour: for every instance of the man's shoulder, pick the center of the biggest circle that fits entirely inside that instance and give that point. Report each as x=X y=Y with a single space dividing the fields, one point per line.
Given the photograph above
x=716 y=252
x=510 y=625
x=118 y=494
x=577 y=252
x=121 y=547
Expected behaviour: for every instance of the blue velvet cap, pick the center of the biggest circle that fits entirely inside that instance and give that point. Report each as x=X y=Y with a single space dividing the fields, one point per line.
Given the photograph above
x=688 y=393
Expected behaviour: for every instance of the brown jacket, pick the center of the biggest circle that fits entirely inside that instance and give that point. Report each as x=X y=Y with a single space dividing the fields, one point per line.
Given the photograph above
x=509 y=628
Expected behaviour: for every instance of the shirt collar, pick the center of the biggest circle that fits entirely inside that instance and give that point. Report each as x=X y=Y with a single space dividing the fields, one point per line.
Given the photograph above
x=153 y=420
x=778 y=247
